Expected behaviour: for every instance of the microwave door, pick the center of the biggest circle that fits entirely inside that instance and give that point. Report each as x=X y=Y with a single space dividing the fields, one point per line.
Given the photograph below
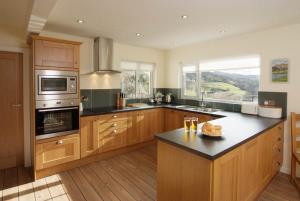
x=53 y=85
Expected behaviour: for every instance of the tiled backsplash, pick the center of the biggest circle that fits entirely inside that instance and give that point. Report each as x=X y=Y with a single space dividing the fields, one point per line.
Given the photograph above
x=107 y=98
x=99 y=97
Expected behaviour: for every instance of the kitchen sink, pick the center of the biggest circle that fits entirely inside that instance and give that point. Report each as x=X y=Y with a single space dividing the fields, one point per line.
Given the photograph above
x=195 y=108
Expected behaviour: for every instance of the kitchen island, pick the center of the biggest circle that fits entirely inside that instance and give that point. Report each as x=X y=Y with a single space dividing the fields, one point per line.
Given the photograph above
x=236 y=166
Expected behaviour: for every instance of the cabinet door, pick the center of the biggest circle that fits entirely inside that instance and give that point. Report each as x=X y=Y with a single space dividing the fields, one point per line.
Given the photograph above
x=58 y=151
x=56 y=54
x=249 y=173
x=173 y=119
x=135 y=124
x=227 y=172
x=265 y=157
x=88 y=136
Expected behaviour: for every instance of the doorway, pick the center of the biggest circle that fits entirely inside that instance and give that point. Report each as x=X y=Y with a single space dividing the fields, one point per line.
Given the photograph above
x=11 y=110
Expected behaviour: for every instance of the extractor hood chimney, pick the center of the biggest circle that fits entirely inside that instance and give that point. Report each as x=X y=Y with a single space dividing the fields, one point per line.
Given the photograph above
x=103 y=55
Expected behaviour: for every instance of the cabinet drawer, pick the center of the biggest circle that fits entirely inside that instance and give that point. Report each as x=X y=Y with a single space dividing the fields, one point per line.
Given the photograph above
x=58 y=151
x=277 y=162
x=112 y=125
x=277 y=149
x=113 y=117
x=112 y=138
x=277 y=133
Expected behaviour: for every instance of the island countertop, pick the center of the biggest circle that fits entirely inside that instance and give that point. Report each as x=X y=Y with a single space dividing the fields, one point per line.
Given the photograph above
x=237 y=129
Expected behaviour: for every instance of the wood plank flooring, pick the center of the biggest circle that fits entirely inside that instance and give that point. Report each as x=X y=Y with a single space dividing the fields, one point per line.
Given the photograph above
x=127 y=177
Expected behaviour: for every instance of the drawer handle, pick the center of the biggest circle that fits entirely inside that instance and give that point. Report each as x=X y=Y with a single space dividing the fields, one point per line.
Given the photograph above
x=59 y=142
x=114 y=125
x=115 y=131
x=114 y=116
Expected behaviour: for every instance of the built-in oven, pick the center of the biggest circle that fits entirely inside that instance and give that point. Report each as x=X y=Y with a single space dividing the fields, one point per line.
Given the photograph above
x=56 y=85
x=56 y=121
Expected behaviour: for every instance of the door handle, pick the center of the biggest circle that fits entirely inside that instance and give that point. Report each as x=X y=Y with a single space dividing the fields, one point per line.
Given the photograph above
x=16 y=105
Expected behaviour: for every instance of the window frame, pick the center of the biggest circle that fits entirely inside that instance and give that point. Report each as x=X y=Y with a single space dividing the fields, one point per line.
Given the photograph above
x=183 y=81
x=136 y=71
x=200 y=81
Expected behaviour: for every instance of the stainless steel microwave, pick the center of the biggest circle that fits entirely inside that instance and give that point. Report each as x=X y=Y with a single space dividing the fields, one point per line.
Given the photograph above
x=56 y=85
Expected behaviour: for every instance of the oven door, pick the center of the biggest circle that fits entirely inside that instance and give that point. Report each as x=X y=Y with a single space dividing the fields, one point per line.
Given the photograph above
x=54 y=122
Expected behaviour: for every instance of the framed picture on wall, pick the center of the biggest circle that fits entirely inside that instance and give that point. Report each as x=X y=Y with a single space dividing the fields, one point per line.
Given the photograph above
x=280 y=70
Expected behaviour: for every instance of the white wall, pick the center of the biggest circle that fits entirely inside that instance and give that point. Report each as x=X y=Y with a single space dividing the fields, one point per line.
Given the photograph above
x=121 y=52
x=12 y=42
x=270 y=44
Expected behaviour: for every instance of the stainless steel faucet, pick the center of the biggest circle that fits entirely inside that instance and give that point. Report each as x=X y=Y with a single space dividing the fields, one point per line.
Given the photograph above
x=202 y=102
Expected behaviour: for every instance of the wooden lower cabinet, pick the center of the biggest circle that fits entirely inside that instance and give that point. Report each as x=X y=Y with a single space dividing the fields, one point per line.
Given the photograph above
x=174 y=118
x=57 y=151
x=109 y=132
x=239 y=175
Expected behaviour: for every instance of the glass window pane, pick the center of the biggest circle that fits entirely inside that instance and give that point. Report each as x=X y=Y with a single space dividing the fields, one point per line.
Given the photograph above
x=128 y=83
x=190 y=84
x=143 y=80
x=233 y=85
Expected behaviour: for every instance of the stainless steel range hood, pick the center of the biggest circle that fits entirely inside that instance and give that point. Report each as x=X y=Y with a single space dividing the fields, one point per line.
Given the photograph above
x=103 y=55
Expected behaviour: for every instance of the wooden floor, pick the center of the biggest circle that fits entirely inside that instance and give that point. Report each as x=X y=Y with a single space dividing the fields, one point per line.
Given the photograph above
x=129 y=176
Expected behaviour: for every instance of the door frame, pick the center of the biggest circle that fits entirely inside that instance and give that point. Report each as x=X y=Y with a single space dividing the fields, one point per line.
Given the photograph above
x=26 y=98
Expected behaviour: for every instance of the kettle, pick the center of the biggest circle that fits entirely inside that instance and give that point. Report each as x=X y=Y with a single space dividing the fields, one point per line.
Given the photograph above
x=169 y=98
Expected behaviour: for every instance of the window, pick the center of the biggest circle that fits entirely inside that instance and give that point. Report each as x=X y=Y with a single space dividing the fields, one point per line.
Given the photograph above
x=137 y=79
x=231 y=80
x=190 y=81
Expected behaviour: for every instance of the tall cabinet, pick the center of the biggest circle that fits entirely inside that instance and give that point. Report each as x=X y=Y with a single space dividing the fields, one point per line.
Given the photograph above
x=52 y=54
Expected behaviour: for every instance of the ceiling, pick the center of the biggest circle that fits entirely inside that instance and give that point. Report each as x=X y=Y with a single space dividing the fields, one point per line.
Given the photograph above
x=15 y=14
x=160 y=23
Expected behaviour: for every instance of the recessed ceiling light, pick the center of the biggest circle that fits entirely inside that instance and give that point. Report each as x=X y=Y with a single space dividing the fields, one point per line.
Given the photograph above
x=80 y=21
x=138 y=34
x=184 y=17
x=222 y=31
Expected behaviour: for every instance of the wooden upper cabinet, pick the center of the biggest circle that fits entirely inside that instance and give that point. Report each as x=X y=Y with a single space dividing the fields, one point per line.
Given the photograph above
x=56 y=53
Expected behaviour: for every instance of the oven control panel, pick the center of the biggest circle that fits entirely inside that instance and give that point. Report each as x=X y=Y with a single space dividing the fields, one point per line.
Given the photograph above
x=57 y=103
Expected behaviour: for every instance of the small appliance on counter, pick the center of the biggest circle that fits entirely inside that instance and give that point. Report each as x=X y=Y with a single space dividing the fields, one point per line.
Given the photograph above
x=250 y=108
x=168 y=98
x=270 y=111
x=158 y=97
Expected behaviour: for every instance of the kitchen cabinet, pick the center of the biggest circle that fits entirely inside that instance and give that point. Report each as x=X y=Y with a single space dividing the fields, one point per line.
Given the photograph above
x=153 y=119
x=57 y=151
x=55 y=53
x=103 y=133
x=143 y=125
x=174 y=119
x=239 y=175
x=88 y=136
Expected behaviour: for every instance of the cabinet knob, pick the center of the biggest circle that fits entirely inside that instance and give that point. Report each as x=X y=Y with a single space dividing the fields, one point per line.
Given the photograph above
x=278 y=163
x=279 y=150
x=115 y=131
x=114 y=125
x=279 y=127
x=279 y=139
x=114 y=116
x=59 y=142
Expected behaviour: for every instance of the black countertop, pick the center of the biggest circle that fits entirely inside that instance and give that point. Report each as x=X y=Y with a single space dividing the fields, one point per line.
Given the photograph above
x=237 y=129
